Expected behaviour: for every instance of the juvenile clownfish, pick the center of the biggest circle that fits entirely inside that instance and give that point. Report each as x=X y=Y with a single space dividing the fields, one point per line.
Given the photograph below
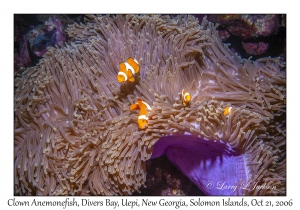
x=144 y=108
x=186 y=97
x=228 y=110
x=128 y=70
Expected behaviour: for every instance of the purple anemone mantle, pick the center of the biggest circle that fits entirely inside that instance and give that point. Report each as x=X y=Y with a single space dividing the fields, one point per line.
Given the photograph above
x=212 y=165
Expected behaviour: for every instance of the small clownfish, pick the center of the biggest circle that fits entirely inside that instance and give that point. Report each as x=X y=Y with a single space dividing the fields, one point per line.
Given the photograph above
x=128 y=69
x=228 y=110
x=186 y=97
x=144 y=108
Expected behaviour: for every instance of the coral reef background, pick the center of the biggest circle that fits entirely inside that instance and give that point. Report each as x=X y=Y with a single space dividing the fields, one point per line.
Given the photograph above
x=248 y=35
x=34 y=33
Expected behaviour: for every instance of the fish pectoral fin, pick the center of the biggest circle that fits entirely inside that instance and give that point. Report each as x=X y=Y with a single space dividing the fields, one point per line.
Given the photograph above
x=133 y=106
x=129 y=73
x=120 y=78
x=131 y=79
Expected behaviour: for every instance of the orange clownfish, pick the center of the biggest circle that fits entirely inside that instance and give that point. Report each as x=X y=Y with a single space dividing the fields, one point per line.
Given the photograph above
x=144 y=108
x=228 y=110
x=128 y=69
x=186 y=97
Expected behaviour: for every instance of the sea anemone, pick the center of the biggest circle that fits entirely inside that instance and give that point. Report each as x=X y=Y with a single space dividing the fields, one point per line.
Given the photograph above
x=75 y=135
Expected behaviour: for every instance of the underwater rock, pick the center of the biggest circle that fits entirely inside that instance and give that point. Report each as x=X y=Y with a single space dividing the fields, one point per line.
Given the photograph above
x=33 y=34
x=255 y=48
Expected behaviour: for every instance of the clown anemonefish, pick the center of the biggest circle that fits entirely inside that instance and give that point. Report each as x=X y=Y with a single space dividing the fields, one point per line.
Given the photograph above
x=128 y=69
x=144 y=108
x=228 y=110
x=186 y=97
